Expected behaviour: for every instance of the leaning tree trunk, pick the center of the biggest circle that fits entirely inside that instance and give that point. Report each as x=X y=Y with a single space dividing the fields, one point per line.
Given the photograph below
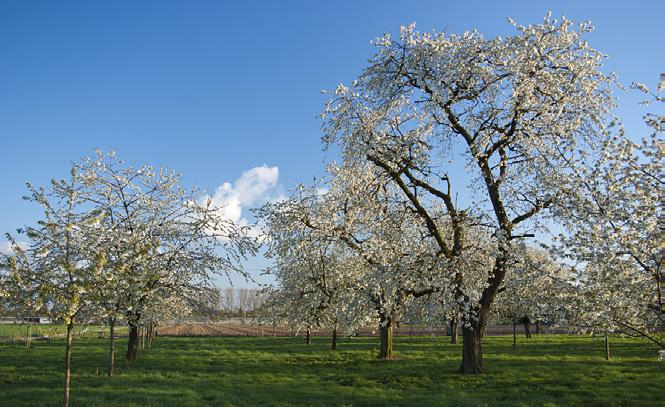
x=68 y=360
x=334 y=339
x=111 y=347
x=454 y=328
x=133 y=342
x=386 y=334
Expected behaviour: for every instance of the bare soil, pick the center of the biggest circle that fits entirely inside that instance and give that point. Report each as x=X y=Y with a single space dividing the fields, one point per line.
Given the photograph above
x=236 y=329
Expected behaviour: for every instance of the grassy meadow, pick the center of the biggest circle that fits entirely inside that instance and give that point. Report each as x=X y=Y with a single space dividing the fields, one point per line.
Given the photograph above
x=18 y=331
x=548 y=370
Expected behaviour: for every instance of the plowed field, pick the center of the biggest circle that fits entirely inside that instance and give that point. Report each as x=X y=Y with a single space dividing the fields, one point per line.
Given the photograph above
x=229 y=329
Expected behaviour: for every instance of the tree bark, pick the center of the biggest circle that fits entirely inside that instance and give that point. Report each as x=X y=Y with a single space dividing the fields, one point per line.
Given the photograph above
x=514 y=336
x=68 y=361
x=538 y=331
x=308 y=337
x=527 y=329
x=386 y=334
x=153 y=333
x=607 y=348
x=526 y=321
x=334 y=338
x=28 y=335
x=111 y=347
x=133 y=342
x=472 y=354
x=454 y=328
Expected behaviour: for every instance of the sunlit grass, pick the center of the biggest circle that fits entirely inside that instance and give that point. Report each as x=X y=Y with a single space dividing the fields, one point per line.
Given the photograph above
x=545 y=370
x=18 y=331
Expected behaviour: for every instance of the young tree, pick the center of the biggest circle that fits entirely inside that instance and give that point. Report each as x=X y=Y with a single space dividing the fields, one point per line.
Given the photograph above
x=317 y=275
x=532 y=290
x=517 y=113
x=64 y=259
x=162 y=241
x=614 y=233
x=365 y=215
x=107 y=301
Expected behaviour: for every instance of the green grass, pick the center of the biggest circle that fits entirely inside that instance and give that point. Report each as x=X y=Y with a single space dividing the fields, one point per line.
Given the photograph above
x=545 y=371
x=18 y=331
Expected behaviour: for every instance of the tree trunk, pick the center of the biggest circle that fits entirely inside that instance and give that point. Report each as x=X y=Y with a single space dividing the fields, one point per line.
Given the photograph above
x=526 y=321
x=514 y=336
x=28 y=336
x=538 y=331
x=68 y=361
x=527 y=329
x=334 y=338
x=151 y=334
x=472 y=354
x=607 y=348
x=386 y=334
x=308 y=337
x=454 y=328
x=111 y=347
x=133 y=342
x=472 y=334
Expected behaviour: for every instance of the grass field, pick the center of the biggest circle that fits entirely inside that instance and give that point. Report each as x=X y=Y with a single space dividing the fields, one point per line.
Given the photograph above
x=18 y=331
x=548 y=370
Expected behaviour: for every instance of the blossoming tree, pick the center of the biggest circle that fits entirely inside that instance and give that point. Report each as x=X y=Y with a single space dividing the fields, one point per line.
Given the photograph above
x=614 y=233
x=63 y=261
x=515 y=114
x=162 y=241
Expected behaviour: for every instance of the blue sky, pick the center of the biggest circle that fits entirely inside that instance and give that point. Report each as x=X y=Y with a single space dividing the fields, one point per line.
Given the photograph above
x=214 y=89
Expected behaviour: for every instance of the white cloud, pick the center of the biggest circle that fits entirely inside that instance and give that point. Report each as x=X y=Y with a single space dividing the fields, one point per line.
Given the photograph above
x=6 y=247
x=254 y=187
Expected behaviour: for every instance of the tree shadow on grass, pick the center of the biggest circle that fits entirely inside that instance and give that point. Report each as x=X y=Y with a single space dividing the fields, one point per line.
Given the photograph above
x=285 y=371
